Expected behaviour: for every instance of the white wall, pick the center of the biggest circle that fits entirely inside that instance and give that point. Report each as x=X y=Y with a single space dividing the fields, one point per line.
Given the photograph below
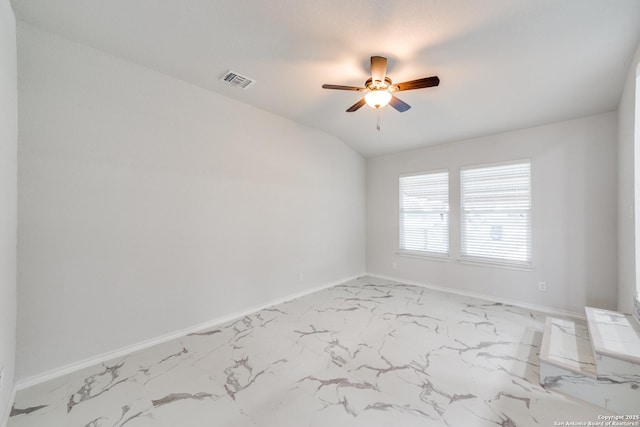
x=148 y=205
x=574 y=214
x=627 y=191
x=8 y=203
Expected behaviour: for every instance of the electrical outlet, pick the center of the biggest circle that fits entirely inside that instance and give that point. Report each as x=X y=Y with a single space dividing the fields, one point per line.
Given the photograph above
x=301 y=277
x=542 y=286
x=394 y=265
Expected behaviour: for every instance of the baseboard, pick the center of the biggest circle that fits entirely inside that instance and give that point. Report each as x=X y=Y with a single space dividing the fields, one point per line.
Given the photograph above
x=4 y=419
x=533 y=307
x=85 y=363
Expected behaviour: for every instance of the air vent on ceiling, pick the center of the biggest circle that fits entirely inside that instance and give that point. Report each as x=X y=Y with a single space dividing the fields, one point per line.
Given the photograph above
x=238 y=80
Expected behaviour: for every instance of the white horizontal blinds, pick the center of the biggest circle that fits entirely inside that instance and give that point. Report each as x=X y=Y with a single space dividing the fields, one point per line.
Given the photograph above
x=496 y=213
x=424 y=213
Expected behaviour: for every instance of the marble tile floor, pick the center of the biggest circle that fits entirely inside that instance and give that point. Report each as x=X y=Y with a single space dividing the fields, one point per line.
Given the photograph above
x=369 y=352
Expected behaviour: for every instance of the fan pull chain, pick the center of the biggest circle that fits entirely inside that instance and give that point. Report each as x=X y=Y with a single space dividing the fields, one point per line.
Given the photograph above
x=378 y=119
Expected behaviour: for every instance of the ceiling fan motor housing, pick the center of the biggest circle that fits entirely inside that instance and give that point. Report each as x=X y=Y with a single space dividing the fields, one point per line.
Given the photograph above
x=378 y=85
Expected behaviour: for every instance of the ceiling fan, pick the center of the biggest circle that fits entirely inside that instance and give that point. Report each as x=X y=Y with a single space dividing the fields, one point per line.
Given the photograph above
x=379 y=89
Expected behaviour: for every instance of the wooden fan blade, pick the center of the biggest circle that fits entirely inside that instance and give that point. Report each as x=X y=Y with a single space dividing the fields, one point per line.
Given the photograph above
x=378 y=68
x=418 y=84
x=399 y=104
x=356 y=106
x=339 y=87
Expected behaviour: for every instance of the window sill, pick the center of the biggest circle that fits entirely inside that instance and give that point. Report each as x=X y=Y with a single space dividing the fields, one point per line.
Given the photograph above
x=428 y=256
x=495 y=264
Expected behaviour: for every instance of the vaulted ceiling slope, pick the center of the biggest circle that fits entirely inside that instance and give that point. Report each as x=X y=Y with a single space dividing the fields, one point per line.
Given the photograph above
x=503 y=64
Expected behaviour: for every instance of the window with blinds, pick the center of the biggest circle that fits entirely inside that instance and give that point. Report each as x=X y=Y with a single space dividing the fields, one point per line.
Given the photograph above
x=424 y=214
x=496 y=213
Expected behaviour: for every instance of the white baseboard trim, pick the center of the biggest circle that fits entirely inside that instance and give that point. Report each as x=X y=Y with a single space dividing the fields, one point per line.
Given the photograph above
x=94 y=360
x=533 y=307
x=85 y=363
x=7 y=410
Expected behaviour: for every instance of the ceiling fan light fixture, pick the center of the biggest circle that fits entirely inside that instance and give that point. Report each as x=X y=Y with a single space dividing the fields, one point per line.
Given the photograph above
x=377 y=98
x=379 y=88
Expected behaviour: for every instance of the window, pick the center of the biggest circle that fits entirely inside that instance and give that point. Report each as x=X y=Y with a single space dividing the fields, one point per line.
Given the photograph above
x=424 y=214
x=496 y=213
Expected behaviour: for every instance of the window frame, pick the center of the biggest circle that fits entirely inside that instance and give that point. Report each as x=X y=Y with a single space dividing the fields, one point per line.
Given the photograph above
x=439 y=256
x=526 y=265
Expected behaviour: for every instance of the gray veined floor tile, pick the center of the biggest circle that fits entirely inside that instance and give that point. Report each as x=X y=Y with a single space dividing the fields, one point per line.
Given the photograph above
x=366 y=353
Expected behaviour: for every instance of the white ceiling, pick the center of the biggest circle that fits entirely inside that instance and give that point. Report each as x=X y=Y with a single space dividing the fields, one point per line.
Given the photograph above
x=503 y=64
